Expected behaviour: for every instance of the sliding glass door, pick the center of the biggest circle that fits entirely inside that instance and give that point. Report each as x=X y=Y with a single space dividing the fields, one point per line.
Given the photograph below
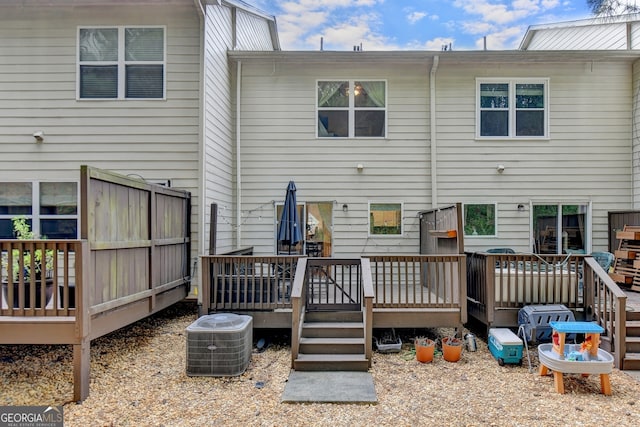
x=560 y=228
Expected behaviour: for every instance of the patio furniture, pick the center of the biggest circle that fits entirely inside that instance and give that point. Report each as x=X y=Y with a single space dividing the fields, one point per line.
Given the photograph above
x=605 y=259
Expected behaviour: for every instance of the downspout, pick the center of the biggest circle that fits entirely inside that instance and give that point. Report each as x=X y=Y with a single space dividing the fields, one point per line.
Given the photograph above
x=238 y=170
x=434 y=133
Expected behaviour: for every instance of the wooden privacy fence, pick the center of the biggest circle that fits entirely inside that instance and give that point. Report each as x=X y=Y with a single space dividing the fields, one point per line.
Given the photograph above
x=132 y=261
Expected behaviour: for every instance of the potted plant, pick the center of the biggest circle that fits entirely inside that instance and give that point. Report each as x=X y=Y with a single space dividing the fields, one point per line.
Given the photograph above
x=424 y=349
x=451 y=349
x=22 y=265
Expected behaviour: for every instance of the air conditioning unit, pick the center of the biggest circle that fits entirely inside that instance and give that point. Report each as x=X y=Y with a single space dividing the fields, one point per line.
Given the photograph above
x=219 y=345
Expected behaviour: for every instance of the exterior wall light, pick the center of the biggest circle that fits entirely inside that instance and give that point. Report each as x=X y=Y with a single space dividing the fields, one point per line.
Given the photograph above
x=345 y=208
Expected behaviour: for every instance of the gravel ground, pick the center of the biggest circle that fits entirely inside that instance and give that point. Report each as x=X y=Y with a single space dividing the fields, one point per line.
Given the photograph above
x=138 y=379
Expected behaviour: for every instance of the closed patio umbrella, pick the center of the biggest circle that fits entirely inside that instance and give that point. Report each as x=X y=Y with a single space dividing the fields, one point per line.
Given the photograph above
x=289 y=229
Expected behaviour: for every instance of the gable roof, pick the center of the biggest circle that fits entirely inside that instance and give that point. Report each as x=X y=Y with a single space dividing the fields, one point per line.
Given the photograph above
x=246 y=7
x=605 y=33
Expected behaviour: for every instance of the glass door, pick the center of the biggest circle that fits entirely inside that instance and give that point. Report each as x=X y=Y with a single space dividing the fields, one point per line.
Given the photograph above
x=319 y=229
x=560 y=229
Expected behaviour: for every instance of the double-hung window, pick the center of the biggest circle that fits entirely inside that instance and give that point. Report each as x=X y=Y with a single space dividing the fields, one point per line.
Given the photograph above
x=50 y=208
x=352 y=109
x=121 y=63
x=512 y=108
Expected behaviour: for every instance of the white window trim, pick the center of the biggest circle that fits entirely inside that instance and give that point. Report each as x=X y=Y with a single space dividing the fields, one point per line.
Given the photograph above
x=495 y=225
x=121 y=63
x=385 y=202
x=352 y=109
x=588 y=226
x=303 y=223
x=511 y=81
x=36 y=216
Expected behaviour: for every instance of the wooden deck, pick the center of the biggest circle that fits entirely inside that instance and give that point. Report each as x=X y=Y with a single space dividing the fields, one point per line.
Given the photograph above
x=420 y=291
x=132 y=261
x=407 y=289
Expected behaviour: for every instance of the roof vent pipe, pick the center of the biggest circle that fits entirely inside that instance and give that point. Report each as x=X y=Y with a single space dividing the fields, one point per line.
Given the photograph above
x=485 y=42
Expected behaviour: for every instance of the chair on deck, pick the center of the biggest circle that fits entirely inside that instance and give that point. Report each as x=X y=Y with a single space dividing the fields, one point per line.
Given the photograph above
x=501 y=251
x=605 y=259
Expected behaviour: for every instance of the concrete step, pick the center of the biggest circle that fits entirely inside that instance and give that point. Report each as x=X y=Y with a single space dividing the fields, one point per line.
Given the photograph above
x=333 y=330
x=631 y=362
x=332 y=345
x=331 y=362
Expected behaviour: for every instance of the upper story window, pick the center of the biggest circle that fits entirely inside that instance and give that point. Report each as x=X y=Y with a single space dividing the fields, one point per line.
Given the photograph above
x=512 y=108
x=121 y=63
x=50 y=208
x=352 y=109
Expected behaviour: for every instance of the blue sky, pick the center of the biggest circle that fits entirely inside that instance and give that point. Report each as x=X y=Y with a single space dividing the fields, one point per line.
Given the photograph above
x=413 y=24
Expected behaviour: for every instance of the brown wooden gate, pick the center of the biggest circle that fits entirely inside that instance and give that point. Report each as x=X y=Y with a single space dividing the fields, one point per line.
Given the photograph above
x=333 y=284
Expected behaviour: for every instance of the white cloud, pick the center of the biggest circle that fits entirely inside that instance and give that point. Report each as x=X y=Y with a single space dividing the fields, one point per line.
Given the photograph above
x=438 y=43
x=505 y=39
x=477 y=27
x=341 y=23
x=414 y=17
x=346 y=23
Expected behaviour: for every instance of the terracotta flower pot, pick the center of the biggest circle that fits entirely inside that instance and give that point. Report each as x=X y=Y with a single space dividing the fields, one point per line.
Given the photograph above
x=424 y=350
x=451 y=349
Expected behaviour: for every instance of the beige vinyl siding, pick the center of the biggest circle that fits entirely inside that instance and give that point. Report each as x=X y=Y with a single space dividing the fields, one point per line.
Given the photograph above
x=279 y=144
x=252 y=32
x=587 y=157
x=636 y=135
x=153 y=139
x=220 y=143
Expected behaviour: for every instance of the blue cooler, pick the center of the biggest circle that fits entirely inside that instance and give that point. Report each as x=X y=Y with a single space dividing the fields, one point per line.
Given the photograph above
x=505 y=346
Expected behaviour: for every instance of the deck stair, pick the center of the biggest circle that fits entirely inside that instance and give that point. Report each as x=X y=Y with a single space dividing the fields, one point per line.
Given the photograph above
x=632 y=357
x=332 y=341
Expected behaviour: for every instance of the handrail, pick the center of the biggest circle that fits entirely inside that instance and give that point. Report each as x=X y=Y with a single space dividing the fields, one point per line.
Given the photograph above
x=368 y=294
x=298 y=300
x=246 y=282
x=608 y=304
x=419 y=281
x=51 y=291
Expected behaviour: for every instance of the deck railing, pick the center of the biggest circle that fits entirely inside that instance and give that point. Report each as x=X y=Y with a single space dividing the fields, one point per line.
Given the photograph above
x=239 y=282
x=499 y=285
x=39 y=277
x=337 y=286
x=418 y=281
x=607 y=307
